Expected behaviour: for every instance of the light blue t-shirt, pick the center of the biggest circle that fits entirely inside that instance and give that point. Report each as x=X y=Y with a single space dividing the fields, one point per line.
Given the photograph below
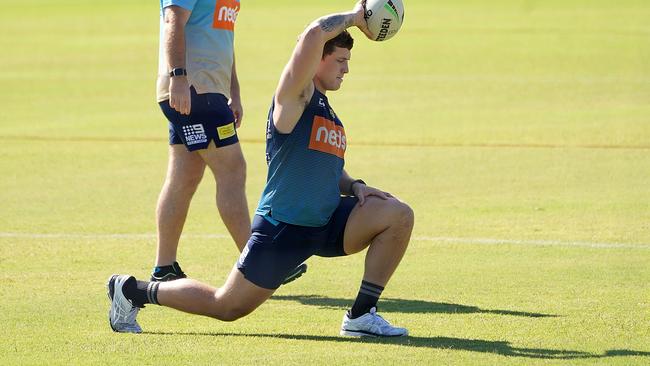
x=305 y=166
x=209 y=45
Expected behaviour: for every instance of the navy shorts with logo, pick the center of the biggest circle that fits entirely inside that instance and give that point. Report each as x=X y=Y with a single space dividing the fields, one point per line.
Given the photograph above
x=210 y=119
x=276 y=248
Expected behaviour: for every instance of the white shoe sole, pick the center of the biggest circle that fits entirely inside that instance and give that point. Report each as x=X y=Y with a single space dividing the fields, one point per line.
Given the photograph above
x=358 y=333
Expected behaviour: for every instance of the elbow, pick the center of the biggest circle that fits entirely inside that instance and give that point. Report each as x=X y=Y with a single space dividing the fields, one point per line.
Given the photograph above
x=313 y=32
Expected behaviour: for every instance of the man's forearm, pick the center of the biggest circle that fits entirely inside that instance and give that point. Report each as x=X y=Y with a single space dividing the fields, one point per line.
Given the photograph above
x=174 y=39
x=344 y=183
x=234 y=81
x=334 y=24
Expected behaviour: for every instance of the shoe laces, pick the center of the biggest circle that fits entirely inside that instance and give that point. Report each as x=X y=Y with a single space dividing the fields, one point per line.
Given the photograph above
x=377 y=319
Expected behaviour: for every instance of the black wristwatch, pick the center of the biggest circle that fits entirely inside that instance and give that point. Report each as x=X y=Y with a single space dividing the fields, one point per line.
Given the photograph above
x=353 y=183
x=179 y=71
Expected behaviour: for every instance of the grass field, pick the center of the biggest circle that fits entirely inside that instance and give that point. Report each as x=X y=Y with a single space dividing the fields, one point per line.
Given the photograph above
x=519 y=132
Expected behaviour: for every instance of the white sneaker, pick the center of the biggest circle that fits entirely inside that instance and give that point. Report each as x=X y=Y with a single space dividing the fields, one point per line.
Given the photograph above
x=370 y=324
x=122 y=314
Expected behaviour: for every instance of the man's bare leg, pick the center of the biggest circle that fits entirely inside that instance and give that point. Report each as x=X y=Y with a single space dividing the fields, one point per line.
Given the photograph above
x=184 y=173
x=385 y=225
x=229 y=169
x=238 y=297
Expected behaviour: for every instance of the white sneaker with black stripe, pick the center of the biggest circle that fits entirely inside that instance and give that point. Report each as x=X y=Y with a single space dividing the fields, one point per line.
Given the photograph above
x=122 y=314
x=370 y=324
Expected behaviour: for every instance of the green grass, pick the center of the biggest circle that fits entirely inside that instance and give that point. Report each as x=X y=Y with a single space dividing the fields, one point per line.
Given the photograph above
x=515 y=121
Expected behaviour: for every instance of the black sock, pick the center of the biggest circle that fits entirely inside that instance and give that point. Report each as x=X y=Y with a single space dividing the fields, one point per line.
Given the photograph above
x=174 y=268
x=366 y=299
x=163 y=270
x=141 y=292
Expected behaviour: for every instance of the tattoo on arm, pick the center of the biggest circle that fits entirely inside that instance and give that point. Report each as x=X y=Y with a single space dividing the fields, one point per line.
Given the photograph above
x=338 y=21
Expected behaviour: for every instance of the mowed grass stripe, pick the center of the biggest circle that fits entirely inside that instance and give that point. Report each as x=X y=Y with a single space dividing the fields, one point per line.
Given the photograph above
x=442 y=239
x=358 y=143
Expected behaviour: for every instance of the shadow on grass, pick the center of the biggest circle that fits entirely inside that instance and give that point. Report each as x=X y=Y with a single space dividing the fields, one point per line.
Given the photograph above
x=474 y=345
x=388 y=305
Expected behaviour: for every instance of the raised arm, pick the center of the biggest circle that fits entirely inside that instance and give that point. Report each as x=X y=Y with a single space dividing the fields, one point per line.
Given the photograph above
x=296 y=87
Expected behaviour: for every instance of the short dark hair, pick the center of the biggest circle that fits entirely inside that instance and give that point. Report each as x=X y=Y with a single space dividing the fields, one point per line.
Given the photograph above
x=343 y=40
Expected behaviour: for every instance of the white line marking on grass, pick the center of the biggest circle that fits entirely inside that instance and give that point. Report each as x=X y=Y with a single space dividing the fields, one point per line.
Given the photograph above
x=435 y=239
x=490 y=241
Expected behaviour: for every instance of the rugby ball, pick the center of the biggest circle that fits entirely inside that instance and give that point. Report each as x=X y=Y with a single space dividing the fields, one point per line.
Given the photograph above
x=384 y=18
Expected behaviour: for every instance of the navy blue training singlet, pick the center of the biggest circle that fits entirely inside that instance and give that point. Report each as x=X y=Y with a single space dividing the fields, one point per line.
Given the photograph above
x=305 y=166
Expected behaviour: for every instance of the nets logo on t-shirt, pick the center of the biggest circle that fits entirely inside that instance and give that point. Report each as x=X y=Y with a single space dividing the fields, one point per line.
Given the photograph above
x=225 y=14
x=327 y=136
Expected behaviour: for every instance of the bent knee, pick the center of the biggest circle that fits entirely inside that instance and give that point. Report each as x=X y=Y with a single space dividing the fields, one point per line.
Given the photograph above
x=193 y=179
x=233 y=168
x=231 y=314
x=188 y=181
x=233 y=158
x=239 y=168
x=402 y=213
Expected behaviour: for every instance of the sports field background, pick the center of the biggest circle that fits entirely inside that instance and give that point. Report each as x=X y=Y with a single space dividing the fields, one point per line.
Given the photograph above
x=519 y=132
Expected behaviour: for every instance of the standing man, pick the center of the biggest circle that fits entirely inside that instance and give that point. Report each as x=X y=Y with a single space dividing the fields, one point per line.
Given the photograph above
x=198 y=91
x=301 y=212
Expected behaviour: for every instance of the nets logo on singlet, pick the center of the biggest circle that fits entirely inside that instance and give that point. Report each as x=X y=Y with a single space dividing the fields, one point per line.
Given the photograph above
x=327 y=137
x=225 y=14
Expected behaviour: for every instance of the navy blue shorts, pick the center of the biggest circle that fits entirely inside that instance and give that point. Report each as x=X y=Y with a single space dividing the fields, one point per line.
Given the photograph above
x=276 y=248
x=210 y=119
